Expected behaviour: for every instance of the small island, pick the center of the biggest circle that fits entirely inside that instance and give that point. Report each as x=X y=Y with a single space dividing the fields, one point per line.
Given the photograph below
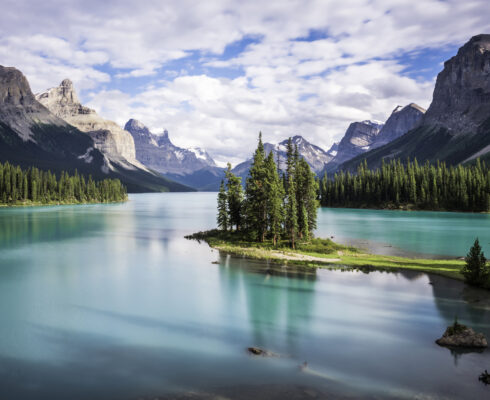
x=459 y=335
x=33 y=187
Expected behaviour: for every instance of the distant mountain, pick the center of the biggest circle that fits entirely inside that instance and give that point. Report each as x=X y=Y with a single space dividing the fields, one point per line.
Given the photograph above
x=160 y=154
x=401 y=120
x=315 y=156
x=30 y=135
x=359 y=138
x=456 y=127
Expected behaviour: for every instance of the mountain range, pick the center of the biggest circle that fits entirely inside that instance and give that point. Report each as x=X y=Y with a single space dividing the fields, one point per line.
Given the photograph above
x=53 y=130
x=456 y=126
x=70 y=138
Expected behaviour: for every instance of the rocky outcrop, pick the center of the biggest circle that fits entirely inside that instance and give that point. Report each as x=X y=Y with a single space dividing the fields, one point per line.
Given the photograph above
x=116 y=143
x=18 y=106
x=458 y=335
x=159 y=153
x=461 y=100
x=401 y=120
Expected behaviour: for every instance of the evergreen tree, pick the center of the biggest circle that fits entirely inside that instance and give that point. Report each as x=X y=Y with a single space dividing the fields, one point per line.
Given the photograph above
x=222 y=217
x=476 y=271
x=256 y=197
x=275 y=196
x=234 y=198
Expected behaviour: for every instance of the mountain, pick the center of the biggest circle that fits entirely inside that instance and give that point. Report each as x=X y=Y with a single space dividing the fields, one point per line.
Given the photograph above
x=114 y=142
x=456 y=126
x=160 y=154
x=401 y=120
x=358 y=138
x=30 y=135
x=315 y=156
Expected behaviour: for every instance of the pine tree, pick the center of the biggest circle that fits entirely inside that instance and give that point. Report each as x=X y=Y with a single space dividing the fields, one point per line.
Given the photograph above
x=234 y=198
x=476 y=271
x=222 y=218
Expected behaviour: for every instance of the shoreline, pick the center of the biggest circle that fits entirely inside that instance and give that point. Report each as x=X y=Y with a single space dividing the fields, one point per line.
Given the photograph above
x=50 y=204
x=333 y=256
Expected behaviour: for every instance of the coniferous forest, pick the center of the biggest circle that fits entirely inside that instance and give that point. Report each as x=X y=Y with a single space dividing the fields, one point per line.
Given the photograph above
x=427 y=187
x=274 y=205
x=18 y=186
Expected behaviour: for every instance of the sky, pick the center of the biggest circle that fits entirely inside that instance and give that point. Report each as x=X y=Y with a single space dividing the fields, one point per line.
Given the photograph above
x=215 y=73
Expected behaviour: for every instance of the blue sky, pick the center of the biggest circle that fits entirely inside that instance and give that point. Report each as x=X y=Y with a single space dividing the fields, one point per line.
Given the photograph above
x=216 y=73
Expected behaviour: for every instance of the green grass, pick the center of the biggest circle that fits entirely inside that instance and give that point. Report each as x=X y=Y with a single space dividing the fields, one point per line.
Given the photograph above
x=333 y=254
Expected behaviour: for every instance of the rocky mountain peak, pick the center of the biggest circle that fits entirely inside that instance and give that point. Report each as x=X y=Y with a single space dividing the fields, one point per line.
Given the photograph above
x=461 y=99
x=401 y=120
x=135 y=126
x=14 y=88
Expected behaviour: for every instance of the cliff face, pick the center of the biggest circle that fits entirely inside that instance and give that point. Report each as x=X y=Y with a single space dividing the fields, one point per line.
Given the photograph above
x=461 y=100
x=18 y=106
x=159 y=153
x=109 y=138
x=401 y=120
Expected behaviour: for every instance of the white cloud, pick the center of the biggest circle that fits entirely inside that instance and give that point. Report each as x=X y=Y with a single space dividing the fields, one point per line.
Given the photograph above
x=288 y=87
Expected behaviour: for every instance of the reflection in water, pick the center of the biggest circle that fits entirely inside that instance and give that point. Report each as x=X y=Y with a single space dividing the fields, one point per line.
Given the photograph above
x=111 y=302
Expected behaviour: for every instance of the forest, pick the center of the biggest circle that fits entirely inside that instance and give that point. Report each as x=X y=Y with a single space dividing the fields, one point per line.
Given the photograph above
x=274 y=205
x=410 y=185
x=33 y=186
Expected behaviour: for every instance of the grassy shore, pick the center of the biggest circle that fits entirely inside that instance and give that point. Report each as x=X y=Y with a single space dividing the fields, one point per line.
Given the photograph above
x=322 y=253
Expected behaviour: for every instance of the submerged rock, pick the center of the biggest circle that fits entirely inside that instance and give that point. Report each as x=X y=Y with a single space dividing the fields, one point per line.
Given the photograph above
x=458 y=335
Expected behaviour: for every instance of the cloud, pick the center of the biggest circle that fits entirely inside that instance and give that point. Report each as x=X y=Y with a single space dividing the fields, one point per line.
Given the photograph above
x=312 y=67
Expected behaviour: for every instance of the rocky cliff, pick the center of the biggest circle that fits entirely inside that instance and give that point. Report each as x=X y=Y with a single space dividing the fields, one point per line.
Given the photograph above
x=159 y=153
x=18 y=106
x=401 y=120
x=461 y=100
x=116 y=143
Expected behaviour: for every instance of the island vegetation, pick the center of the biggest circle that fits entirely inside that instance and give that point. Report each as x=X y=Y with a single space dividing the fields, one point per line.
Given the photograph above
x=476 y=271
x=36 y=187
x=410 y=186
x=274 y=217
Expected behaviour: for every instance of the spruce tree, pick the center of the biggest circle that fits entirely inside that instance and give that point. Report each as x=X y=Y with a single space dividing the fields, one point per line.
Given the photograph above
x=275 y=196
x=234 y=198
x=476 y=271
x=255 y=195
x=222 y=217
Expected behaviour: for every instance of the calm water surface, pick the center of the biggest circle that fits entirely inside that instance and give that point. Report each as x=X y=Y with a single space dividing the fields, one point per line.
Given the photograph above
x=110 y=302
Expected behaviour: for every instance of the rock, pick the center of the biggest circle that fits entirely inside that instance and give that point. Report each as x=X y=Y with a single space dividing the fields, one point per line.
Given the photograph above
x=257 y=351
x=458 y=335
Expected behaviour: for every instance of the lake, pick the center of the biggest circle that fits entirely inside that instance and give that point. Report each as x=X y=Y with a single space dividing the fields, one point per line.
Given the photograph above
x=111 y=302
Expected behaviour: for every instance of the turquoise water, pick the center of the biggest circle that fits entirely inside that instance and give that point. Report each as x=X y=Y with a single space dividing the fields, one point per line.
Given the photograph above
x=110 y=302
